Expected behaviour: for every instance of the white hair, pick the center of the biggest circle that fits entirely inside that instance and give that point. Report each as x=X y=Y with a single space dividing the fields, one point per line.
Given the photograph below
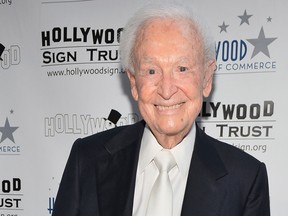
x=173 y=11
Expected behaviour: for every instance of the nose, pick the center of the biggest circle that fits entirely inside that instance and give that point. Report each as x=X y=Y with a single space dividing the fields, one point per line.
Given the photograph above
x=167 y=86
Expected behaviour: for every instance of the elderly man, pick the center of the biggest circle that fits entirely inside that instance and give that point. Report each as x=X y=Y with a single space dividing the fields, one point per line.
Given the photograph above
x=164 y=165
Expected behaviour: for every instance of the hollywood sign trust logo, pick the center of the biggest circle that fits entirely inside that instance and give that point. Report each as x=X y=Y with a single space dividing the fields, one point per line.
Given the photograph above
x=85 y=124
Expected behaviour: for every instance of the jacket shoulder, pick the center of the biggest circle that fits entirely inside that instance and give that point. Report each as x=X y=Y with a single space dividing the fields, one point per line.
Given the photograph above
x=97 y=143
x=231 y=156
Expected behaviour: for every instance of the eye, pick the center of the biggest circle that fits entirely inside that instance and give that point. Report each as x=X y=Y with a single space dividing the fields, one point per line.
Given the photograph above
x=151 y=71
x=182 y=68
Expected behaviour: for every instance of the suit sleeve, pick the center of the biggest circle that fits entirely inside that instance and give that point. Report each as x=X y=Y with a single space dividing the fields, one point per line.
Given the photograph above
x=257 y=203
x=68 y=196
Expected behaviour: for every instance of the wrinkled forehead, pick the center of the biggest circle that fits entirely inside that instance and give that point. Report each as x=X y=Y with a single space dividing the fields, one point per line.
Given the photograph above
x=157 y=26
x=183 y=31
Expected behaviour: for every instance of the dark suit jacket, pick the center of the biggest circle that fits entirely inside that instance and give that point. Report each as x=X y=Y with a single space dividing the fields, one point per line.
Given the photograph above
x=99 y=178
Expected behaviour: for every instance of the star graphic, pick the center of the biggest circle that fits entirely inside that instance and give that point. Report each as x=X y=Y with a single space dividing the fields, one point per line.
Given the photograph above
x=261 y=44
x=269 y=19
x=223 y=27
x=7 y=131
x=245 y=18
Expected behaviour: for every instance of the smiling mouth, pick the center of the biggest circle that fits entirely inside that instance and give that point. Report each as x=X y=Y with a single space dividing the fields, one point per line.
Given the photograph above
x=172 y=107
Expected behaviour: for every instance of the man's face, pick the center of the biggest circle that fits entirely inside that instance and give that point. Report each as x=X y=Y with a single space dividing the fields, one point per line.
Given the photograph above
x=170 y=78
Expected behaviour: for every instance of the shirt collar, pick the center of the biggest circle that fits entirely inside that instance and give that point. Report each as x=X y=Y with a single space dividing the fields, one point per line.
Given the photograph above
x=148 y=149
x=182 y=152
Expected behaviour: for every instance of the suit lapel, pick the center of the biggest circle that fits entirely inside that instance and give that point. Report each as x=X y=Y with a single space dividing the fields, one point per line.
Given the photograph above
x=204 y=190
x=116 y=175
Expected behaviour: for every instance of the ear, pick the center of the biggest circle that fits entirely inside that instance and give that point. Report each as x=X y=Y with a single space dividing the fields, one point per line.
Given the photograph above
x=133 y=86
x=210 y=67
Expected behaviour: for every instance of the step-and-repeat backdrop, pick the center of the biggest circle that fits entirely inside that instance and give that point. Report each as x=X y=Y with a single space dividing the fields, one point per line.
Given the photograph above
x=60 y=79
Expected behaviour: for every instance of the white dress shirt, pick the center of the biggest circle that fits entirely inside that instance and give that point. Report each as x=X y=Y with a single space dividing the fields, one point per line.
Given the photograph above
x=147 y=171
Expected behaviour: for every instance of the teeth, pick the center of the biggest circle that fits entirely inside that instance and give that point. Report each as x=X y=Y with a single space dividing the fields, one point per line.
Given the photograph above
x=169 y=107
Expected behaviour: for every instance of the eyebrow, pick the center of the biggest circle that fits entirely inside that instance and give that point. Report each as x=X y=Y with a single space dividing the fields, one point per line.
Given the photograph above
x=147 y=59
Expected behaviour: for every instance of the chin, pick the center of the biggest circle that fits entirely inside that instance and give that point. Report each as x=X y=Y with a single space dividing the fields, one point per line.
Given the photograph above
x=171 y=131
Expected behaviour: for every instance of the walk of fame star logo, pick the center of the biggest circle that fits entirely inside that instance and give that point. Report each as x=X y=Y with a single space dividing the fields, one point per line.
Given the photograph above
x=261 y=42
x=7 y=131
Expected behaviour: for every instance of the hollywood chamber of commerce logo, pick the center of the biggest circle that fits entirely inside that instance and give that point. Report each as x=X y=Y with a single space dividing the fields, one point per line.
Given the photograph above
x=246 y=54
x=9 y=57
x=85 y=124
x=7 y=141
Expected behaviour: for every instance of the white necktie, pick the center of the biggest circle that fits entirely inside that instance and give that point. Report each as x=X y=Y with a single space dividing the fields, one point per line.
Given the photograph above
x=161 y=197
